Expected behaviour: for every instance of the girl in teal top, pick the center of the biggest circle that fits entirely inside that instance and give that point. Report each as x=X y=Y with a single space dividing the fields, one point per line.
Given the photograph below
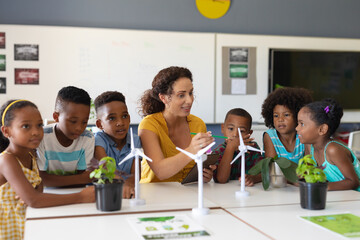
x=317 y=122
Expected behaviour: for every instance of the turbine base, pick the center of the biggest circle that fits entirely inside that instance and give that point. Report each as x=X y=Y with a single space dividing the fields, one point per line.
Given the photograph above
x=200 y=211
x=240 y=194
x=137 y=202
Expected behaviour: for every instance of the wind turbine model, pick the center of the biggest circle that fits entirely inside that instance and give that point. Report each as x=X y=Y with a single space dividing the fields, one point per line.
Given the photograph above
x=199 y=157
x=243 y=149
x=136 y=152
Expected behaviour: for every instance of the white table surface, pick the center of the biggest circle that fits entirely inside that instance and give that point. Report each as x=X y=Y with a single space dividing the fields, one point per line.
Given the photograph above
x=158 y=196
x=283 y=221
x=220 y=225
x=224 y=195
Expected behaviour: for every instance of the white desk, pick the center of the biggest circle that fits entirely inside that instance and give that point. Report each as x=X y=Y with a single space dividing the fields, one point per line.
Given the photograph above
x=218 y=223
x=283 y=221
x=224 y=195
x=158 y=196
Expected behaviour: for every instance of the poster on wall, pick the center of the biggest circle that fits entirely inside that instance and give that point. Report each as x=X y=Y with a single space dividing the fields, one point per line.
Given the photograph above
x=26 y=52
x=27 y=76
x=2 y=85
x=238 y=70
x=2 y=40
x=2 y=62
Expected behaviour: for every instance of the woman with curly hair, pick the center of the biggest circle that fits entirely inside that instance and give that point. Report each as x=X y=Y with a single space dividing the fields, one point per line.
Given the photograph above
x=168 y=124
x=280 y=110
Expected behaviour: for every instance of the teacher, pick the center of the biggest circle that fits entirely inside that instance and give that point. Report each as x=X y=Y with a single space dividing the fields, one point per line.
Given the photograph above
x=168 y=124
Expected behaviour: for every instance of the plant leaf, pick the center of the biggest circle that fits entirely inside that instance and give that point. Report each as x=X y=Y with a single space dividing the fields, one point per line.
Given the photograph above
x=265 y=174
x=290 y=173
x=283 y=162
x=256 y=169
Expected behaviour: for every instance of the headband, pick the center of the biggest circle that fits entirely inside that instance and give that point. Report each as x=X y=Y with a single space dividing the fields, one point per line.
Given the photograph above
x=7 y=108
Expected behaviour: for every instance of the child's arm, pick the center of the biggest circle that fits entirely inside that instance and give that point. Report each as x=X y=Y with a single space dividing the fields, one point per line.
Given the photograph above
x=224 y=167
x=52 y=180
x=268 y=146
x=342 y=158
x=128 y=187
x=11 y=170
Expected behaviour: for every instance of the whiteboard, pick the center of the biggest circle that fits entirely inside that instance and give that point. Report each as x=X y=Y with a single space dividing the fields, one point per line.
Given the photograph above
x=99 y=60
x=253 y=103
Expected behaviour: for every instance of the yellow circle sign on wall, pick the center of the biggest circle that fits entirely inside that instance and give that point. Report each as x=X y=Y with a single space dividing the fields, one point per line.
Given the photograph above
x=213 y=8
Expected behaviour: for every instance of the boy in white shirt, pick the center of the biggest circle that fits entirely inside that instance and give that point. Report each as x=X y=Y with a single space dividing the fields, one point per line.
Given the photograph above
x=65 y=152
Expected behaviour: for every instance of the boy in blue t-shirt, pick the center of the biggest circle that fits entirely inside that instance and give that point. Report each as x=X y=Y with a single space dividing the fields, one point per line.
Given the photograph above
x=67 y=148
x=114 y=141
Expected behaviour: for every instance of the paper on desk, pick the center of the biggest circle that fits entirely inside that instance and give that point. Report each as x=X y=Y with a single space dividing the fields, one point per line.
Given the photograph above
x=345 y=224
x=167 y=227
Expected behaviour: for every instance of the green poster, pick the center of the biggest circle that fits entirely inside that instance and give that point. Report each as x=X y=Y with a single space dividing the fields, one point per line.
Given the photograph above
x=238 y=70
x=348 y=225
x=2 y=62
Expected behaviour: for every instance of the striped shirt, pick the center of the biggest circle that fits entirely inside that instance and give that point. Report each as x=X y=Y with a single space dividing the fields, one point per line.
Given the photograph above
x=299 y=149
x=251 y=158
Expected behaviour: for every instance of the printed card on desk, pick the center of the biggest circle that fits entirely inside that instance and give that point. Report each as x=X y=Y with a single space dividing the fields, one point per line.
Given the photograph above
x=167 y=227
x=345 y=224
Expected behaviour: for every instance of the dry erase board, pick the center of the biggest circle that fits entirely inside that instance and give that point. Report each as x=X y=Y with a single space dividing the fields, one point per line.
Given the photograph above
x=99 y=60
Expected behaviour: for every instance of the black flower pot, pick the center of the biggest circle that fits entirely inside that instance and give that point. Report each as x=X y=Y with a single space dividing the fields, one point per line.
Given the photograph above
x=313 y=195
x=108 y=196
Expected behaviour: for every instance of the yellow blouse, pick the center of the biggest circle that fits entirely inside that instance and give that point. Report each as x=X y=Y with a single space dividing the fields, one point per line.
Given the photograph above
x=12 y=210
x=157 y=124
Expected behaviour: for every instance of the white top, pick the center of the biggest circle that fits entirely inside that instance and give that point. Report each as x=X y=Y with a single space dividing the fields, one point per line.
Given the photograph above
x=57 y=159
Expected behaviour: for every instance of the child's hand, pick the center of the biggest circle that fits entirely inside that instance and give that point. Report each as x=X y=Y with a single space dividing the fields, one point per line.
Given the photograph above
x=248 y=140
x=233 y=142
x=249 y=180
x=88 y=194
x=208 y=173
x=128 y=191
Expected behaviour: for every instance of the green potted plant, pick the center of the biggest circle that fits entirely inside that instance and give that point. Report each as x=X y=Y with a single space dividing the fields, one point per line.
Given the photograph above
x=108 y=189
x=275 y=171
x=312 y=183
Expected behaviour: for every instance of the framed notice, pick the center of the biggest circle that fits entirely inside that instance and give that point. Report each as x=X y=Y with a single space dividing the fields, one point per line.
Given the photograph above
x=2 y=62
x=26 y=52
x=26 y=76
x=238 y=70
x=2 y=40
x=2 y=85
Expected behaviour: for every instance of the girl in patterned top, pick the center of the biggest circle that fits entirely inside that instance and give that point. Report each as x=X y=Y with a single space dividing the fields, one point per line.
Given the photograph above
x=20 y=183
x=279 y=111
x=318 y=121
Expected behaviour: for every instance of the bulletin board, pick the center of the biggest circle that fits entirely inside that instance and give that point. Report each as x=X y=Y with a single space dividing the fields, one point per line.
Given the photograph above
x=253 y=102
x=99 y=60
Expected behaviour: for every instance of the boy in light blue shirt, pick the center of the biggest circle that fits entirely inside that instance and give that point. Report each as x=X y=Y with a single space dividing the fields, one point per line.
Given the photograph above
x=114 y=140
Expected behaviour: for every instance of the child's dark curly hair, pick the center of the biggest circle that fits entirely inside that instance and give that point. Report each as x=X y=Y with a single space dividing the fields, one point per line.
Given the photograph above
x=292 y=98
x=327 y=111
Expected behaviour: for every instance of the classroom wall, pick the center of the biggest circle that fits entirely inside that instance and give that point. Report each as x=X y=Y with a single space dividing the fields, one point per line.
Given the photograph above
x=321 y=18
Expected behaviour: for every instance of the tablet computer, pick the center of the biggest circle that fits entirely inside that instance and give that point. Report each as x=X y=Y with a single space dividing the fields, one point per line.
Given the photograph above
x=192 y=176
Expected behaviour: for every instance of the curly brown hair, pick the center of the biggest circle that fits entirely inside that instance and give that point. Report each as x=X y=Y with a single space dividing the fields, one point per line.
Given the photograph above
x=292 y=98
x=163 y=83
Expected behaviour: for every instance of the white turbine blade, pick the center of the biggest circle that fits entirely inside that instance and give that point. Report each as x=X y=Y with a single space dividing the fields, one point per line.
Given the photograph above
x=187 y=153
x=202 y=151
x=254 y=149
x=132 y=139
x=242 y=144
x=140 y=153
x=237 y=156
x=130 y=155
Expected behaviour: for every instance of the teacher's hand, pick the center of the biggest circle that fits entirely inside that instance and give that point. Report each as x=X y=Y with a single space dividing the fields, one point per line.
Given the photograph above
x=208 y=173
x=200 y=141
